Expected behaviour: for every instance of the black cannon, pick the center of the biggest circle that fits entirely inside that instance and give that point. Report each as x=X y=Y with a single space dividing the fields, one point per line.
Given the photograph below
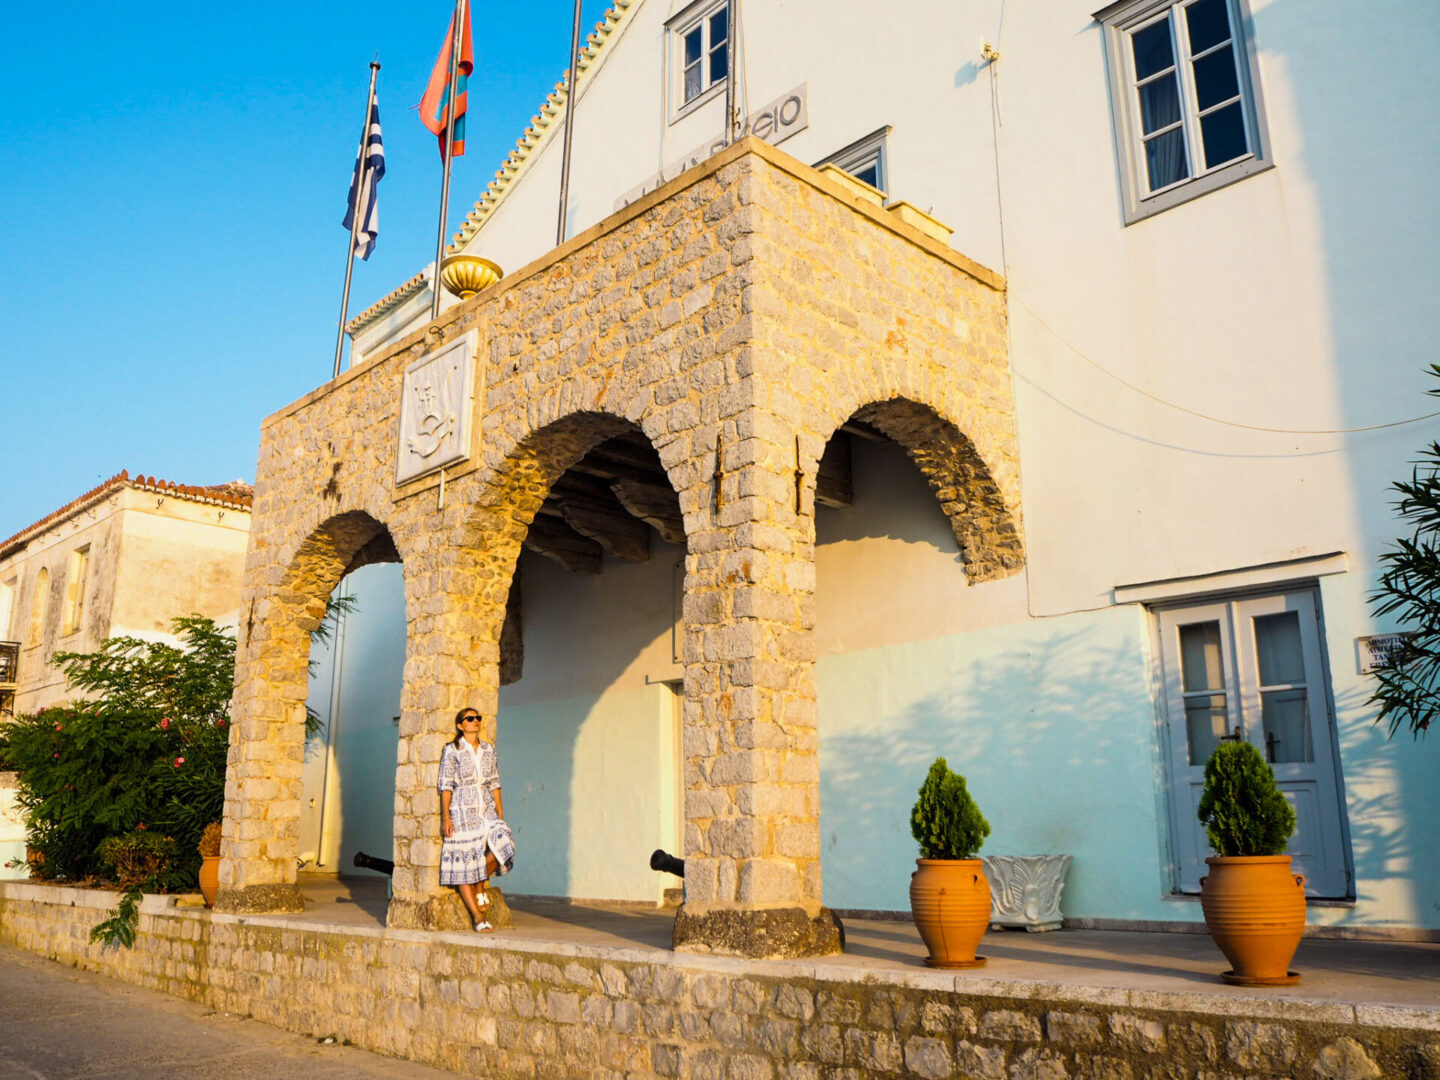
x=666 y=863
x=370 y=862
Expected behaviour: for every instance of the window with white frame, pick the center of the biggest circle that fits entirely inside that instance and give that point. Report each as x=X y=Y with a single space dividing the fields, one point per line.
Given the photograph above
x=700 y=51
x=75 y=588
x=1185 y=90
x=864 y=159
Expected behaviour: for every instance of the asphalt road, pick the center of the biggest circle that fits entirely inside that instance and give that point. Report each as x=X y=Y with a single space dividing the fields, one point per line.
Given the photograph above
x=57 y=1023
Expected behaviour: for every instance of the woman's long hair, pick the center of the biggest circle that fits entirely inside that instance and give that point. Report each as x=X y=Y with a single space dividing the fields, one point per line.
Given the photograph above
x=459 y=731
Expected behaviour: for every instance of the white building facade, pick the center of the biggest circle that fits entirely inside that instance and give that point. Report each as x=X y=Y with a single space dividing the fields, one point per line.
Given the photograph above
x=1219 y=313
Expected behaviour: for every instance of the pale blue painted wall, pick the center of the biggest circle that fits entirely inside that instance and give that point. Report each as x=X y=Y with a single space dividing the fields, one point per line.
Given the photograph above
x=1052 y=726
x=589 y=790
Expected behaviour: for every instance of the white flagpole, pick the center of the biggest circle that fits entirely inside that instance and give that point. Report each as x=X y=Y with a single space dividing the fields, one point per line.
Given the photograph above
x=571 y=100
x=355 y=215
x=449 y=154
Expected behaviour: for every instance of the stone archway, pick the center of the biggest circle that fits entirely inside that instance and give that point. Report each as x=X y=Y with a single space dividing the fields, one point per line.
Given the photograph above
x=585 y=486
x=263 y=782
x=986 y=529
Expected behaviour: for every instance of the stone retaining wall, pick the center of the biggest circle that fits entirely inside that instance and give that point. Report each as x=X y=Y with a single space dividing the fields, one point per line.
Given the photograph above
x=505 y=1007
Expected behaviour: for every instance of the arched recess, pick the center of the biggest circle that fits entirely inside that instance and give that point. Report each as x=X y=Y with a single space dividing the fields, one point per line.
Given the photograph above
x=356 y=669
x=987 y=530
x=582 y=531
x=264 y=782
x=908 y=518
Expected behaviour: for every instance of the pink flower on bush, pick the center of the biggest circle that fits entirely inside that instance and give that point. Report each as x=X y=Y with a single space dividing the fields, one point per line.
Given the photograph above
x=57 y=753
x=220 y=722
x=59 y=726
x=141 y=826
x=165 y=723
x=179 y=761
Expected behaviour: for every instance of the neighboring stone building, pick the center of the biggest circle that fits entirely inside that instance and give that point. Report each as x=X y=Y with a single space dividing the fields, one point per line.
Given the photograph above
x=717 y=507
x=125 y=558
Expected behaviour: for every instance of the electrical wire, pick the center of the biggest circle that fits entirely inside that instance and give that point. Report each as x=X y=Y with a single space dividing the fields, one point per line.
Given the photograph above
x=1206 y=416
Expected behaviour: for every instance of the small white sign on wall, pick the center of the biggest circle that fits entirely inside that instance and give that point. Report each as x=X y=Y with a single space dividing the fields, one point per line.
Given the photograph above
x=436 y=406
x=1375 y=652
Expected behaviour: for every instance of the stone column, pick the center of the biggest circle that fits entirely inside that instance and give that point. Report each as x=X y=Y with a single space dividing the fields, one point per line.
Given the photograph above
x=261 y=832
x=455 y=599
x=752 y=840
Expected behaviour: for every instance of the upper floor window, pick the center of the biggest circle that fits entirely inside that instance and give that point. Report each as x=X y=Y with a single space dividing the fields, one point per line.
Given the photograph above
x=864 y=159
x=700 y=38
x=75 y=588
x=1186 y=96
x=39 y=601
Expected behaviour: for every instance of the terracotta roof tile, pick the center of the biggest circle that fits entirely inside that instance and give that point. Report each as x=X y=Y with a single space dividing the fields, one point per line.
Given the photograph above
x=235 y=493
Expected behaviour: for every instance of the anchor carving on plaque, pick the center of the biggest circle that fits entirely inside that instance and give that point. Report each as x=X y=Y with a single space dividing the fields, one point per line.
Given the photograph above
x=436 y=404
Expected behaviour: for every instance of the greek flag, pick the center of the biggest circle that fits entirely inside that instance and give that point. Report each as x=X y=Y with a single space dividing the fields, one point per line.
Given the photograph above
x=369 y=168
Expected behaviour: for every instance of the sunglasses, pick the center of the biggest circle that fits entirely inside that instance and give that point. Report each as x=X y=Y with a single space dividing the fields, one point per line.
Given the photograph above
x=468 y=719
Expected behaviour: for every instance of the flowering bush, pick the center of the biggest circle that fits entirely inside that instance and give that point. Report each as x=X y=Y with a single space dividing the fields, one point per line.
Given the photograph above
x=147 y=755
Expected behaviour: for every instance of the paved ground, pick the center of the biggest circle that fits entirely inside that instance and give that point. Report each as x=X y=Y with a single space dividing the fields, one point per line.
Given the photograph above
x=57 y=1023
x=1405 y=974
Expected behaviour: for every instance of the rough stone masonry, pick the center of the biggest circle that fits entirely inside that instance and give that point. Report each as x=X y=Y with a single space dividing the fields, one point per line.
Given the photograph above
x=737 y=316
x=509 y=1008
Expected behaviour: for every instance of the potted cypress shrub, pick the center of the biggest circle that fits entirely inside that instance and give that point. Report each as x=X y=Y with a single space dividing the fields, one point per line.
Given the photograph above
x=1254 y=906
x=949 y=894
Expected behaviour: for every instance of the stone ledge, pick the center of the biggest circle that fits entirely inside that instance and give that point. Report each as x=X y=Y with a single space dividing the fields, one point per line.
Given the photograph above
x=259 y=899
x=535 y=1008
x=768 y=933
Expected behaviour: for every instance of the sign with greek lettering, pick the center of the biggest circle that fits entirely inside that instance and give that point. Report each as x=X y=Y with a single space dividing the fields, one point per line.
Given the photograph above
x=437 y=401
x=1379 y=650
x=775 y=123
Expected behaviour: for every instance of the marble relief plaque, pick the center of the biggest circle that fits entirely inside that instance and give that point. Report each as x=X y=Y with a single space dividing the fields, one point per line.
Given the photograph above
x=437 y=404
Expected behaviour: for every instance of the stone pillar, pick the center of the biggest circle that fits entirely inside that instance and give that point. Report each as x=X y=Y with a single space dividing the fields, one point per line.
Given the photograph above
x=261 y=831
x=752 y=837
x=455 y=600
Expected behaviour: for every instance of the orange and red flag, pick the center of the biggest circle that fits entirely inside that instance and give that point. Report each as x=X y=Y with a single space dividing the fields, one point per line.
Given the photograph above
x=434 y=106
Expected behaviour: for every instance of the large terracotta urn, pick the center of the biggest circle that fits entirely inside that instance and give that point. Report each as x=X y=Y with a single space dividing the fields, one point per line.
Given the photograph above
x=950 y=902
x=209 y=878
x=1255 y=911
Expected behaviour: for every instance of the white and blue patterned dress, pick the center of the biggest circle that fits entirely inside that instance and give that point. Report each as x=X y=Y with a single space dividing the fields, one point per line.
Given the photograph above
x=472 y=777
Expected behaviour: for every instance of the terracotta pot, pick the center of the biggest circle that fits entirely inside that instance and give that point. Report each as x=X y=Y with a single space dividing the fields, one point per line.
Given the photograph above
x=209 y=878
x=1255 y=912
x=950 y=902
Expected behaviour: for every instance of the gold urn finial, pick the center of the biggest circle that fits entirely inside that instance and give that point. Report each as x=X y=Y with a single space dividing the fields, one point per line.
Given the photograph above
x=466 y=275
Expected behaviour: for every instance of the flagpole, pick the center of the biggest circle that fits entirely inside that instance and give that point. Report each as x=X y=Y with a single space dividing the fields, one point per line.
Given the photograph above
x=571 y=100
x=449 y=154
x=730 y=72
x=355 y=216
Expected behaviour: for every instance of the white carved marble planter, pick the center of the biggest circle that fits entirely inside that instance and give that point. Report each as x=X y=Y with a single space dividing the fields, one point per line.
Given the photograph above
x=1026 y=890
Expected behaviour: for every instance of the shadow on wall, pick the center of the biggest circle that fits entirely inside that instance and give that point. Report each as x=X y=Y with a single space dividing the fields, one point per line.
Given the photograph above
x=1380 y=832
x=584 y=764
x=1377 y=262
x=1052 y=726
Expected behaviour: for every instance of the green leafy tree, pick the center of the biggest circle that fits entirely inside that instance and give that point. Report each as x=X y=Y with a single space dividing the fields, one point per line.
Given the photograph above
x=146 y=753
x=945 y=822
x=1408 y=683
x=1242 y=809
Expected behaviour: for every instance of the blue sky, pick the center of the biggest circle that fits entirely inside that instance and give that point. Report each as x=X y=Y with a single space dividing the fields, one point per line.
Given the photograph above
x=171 y=255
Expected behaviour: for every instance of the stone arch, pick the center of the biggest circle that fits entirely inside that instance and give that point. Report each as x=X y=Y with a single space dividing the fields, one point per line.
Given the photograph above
x=488 y=545
x=263 y=788
x=986 y=528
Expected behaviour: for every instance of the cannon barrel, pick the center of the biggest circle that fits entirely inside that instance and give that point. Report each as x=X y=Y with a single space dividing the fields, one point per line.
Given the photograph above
x=666 y=863
x=370 y=862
